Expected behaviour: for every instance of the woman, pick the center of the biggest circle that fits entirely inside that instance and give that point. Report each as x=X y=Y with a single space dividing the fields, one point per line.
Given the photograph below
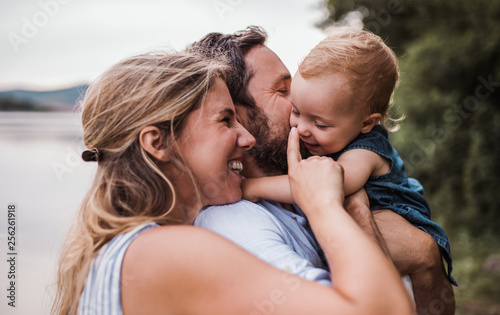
x=163 y=130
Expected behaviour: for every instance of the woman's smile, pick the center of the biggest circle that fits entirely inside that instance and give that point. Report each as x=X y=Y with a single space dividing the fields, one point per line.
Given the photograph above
x=236 y=166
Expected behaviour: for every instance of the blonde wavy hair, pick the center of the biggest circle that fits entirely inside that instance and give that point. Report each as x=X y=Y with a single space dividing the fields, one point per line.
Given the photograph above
x=370 y=65
x=130 y=188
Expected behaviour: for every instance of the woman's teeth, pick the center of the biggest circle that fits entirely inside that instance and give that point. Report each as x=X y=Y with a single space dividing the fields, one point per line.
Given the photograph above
x=235 y=166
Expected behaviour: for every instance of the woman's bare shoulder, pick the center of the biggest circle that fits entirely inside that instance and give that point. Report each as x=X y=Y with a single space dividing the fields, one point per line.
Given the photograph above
x=161 y=263
x=159 y=243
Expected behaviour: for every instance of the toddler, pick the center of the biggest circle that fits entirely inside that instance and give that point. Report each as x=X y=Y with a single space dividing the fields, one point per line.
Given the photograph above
x=341 y=95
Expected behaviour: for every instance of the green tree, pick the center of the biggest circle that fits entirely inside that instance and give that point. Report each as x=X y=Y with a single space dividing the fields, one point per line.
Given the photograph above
x=450 y=67
x=449 y=55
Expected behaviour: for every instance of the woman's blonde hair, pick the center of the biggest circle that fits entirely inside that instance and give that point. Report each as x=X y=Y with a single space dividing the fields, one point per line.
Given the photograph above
x=369 y=64
x=130 y=188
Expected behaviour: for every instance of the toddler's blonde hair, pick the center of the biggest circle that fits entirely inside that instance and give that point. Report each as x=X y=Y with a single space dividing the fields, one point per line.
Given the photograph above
x=369 y=64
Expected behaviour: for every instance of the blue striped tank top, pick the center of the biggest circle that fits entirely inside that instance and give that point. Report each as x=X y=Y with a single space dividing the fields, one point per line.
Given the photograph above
x=102 y=291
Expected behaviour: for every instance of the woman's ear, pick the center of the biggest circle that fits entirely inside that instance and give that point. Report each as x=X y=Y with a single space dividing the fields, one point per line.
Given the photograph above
x=370 y=122
x=152 y=140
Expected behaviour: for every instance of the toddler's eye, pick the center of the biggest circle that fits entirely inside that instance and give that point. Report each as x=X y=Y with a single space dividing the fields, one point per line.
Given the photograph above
x=295 y=112
x=320 y=126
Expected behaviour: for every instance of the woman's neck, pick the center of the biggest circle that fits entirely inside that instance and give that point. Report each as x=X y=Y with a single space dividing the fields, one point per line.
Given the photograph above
x=187 y=205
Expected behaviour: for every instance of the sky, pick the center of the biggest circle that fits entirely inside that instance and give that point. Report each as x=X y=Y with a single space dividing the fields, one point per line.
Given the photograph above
x=52 y=44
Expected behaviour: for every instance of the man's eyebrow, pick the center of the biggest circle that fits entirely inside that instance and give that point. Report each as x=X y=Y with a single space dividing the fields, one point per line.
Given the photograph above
x=227 y=110
x=283 y=77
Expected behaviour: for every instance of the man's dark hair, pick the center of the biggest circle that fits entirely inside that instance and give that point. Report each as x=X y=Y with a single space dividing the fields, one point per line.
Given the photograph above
x=233 y=47
x=269 y=152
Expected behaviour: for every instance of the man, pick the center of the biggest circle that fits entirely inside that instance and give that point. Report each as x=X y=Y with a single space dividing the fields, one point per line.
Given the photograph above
x=279 y=234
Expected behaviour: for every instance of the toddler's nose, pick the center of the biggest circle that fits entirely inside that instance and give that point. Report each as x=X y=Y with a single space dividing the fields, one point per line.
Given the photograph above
x=303 y=130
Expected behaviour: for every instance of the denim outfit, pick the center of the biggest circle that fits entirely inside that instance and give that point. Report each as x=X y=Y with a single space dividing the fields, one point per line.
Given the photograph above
x=395 y=191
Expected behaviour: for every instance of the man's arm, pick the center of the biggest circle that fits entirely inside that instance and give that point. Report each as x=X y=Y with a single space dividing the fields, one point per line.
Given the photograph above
x=415 y=252
x=357 y=205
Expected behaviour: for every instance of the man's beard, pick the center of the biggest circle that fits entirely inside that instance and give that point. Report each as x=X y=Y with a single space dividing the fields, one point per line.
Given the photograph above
x=269 y=151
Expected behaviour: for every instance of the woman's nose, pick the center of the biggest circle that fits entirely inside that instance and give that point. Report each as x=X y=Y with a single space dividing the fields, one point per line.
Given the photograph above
x=245 y=139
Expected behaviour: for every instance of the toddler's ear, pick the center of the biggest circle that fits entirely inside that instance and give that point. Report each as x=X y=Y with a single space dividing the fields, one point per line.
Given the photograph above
x=370 y=122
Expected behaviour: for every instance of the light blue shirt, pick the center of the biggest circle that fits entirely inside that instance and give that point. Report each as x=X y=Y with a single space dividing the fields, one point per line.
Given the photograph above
x=273 y=234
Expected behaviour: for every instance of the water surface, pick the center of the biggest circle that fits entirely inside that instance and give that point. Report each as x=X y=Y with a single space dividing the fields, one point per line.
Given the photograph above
x=42 y=173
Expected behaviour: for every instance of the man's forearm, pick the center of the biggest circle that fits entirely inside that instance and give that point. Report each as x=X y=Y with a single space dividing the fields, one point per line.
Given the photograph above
x=357 y=206
x=415 y=252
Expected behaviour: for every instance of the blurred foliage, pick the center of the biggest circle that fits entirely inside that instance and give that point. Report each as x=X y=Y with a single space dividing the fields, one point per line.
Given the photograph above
x=449 y=55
